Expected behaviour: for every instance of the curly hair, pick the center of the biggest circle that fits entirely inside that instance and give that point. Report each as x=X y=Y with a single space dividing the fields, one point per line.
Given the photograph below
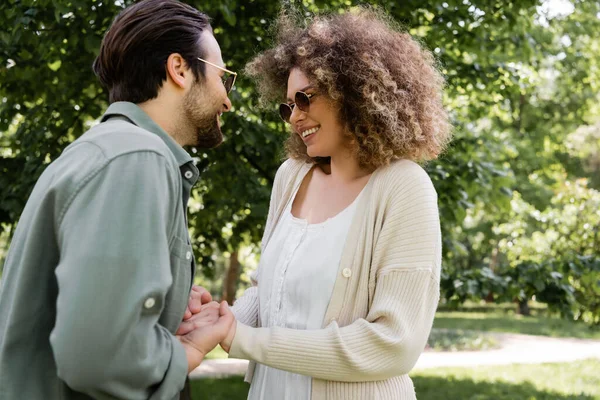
x=386 y=87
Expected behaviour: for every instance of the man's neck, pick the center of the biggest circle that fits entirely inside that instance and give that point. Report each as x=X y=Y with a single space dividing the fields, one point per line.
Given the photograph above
x=163 y=114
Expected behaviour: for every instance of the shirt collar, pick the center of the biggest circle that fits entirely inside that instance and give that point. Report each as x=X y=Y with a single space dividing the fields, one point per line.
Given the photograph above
x=138 y=117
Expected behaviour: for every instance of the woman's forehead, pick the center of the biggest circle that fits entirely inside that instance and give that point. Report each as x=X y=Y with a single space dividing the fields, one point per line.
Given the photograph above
x=297 y=81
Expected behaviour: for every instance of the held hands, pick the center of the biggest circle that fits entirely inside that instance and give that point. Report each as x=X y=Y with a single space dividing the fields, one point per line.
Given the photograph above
x=205 y=330
x=205 y=324
x=198 y=297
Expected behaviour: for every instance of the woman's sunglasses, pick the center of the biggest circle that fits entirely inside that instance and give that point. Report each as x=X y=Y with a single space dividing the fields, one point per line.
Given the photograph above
x=229 y=81
x=302 y=101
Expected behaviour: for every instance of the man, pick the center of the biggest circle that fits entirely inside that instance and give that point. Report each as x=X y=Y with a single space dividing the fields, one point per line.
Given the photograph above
x=98 y=276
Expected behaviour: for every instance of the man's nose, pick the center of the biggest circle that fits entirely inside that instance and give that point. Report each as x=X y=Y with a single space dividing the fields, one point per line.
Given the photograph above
x=227 y=105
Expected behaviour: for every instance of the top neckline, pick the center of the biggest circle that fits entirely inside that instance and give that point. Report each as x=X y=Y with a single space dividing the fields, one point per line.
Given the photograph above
x=346 y=209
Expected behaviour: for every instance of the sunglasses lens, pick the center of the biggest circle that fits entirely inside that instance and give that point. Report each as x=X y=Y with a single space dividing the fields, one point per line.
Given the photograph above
x=302 y=101
x=229 y=83
x=285 y=112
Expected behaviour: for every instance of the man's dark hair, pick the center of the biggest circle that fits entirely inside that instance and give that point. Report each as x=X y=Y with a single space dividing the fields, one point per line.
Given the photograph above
x=133 y=55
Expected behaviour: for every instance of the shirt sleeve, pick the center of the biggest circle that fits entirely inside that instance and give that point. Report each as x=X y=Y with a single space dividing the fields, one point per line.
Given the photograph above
x=113 y=275
x=389 y=340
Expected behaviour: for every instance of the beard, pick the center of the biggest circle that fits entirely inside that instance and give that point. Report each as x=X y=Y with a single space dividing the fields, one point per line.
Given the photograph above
x=204 y=123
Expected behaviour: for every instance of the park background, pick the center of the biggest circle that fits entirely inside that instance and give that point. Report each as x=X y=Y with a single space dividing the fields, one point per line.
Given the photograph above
x=518 y=188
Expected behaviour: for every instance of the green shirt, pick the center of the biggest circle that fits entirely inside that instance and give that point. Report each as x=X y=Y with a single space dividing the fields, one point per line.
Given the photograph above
x=99 y=270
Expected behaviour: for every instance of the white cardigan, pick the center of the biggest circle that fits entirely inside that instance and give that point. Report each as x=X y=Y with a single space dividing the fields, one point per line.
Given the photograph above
x=384 y=298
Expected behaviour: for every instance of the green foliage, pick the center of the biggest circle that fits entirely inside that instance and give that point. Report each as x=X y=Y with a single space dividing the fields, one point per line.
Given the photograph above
x=520 y=82
x=554 y=254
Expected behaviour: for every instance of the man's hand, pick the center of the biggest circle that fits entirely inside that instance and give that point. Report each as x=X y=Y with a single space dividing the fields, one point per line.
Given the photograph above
x=198 y=297
x=207 y=314
x=210 y=327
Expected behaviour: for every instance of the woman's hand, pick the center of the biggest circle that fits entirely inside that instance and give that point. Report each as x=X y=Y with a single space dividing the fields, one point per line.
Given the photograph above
x=206 y=330
x=226 y=343
x=206 y=314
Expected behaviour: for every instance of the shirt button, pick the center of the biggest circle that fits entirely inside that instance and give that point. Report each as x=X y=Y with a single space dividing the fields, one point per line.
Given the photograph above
x=149 y=303
x=346 y=273
x=188 y=255
x=188 y=174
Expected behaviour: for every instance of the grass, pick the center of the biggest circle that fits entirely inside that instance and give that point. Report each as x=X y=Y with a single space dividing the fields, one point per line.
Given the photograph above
x=459 y=340
x=233 y=388
x=576 y=380
x=561 y=381
x=500 y=320
x=558 y=381
x=453 y=330
x=217 y=352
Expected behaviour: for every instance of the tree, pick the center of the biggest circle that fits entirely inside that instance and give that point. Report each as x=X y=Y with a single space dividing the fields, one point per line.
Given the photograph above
x=519 y=81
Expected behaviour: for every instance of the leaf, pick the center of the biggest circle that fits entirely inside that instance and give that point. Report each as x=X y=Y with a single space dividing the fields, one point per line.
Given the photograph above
x=55 y=66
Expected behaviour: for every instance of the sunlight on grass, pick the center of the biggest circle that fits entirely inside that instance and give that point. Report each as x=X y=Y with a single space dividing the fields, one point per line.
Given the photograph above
x=460 y=340
x=499 y=321
x=562 y=381
x=577 y=380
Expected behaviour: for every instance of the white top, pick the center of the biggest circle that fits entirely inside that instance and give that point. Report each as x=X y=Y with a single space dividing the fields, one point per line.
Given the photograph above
x=298 y=269
x=383 y=301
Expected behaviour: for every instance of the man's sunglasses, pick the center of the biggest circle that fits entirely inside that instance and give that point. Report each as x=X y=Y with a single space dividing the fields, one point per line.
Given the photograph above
x=302 y=101
x=229 y=81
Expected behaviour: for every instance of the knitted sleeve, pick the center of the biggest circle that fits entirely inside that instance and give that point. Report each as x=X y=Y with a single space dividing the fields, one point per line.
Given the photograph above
x=389 y=340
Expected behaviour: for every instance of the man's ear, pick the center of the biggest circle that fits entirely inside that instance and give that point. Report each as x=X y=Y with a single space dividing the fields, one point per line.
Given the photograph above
x=178 y=70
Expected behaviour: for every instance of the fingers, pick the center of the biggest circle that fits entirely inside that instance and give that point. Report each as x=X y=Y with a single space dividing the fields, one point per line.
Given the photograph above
x=211 y=326
x=226 y=321
x=226 y=318
x=208 y=314
x=203 y=294
x=205 y=297
x=224 y=309
x=184 y=328
x=196 y=300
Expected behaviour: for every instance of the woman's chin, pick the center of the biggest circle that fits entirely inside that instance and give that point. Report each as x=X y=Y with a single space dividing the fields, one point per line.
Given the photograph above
x=314 y=152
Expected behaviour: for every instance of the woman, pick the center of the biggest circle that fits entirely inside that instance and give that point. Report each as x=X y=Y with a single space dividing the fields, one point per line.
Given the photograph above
x=346 y=290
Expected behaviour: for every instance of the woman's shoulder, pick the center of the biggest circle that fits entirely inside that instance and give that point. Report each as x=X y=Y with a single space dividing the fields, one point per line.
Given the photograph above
x=290 y=169
x=404 y=175
x=405 y=185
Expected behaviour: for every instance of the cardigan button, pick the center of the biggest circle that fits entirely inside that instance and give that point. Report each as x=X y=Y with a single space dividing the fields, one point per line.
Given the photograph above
x=346 y=273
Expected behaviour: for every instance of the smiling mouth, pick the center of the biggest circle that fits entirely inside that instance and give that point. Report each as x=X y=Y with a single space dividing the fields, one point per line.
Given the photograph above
x=309 y=132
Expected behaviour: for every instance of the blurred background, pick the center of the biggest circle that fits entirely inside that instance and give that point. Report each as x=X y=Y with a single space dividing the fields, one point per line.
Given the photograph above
x=518 y=188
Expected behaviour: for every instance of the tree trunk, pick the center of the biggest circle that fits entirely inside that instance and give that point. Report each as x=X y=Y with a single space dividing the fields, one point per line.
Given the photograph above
x=493 y=262
x=524 y=308
x=231 y=279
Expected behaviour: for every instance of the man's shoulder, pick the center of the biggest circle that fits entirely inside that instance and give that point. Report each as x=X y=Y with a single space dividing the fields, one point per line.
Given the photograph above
x=109 y=145
x=115 y=138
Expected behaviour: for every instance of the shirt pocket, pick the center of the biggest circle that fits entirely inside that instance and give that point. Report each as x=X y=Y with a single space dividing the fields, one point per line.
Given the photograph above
x=181 y=252
x=181 y=256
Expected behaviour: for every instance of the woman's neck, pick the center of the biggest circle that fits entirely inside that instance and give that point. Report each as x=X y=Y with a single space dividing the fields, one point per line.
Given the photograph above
x=344 y=168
